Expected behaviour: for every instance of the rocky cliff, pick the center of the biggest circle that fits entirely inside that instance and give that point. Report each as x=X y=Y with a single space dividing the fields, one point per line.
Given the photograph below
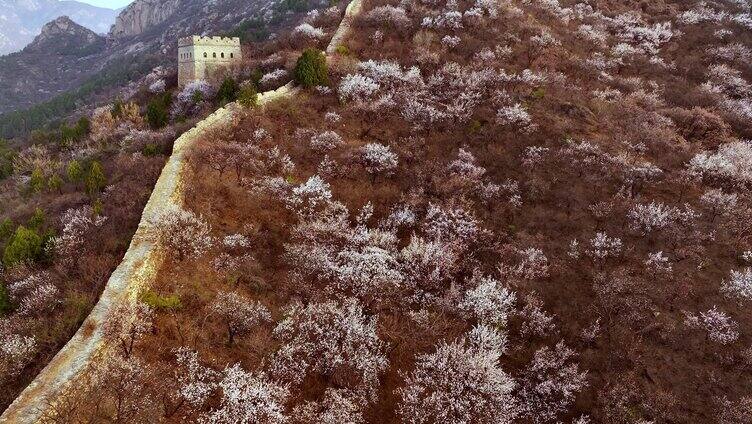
x=142 y=15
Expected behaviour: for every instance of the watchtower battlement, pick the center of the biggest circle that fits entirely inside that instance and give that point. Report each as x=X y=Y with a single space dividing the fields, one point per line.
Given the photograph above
x=208 y=41
x=201 y=56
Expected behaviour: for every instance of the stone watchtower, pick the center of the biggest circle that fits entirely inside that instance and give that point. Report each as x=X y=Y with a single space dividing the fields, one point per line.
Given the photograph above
x=199 y=57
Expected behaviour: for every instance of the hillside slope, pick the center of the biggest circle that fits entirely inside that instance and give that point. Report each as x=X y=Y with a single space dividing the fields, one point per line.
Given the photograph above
x=527 y=211
x=60 y=58
x=117 y=136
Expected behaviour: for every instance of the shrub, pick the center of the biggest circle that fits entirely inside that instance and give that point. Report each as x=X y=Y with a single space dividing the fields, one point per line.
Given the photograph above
x=131 y=113
x=342 y=50
x=6 y=229
x=250 y=30
x=474 y=126
x=25 y=245
x=294 y=6
x=75 y=172
x=197 y=96
x=95 y=179
x=36 y=183
x=150 y=149
x=54 y=183
x=255 y=77
x=37 y=219
x=311 y=69
x=103 y=124
x=157 y=112
x=228 y=91
x=6 y=160
x=159 y=302
x=117 y=108
x=5 y=305
x=247 y=96
x=98 y=207
x=75 y=133
x=67 y=135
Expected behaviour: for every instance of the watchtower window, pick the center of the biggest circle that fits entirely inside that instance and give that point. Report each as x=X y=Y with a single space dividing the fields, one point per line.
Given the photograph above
x=232 y=55
x=223 y=55
x=214 y=55
x=205 y=54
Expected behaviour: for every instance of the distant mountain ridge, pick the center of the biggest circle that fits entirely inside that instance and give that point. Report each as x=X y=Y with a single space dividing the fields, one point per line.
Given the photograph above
x=22 y=20
x=58 y=59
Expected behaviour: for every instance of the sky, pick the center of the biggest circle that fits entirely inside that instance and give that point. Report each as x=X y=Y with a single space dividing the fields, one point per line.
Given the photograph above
x=112 y=4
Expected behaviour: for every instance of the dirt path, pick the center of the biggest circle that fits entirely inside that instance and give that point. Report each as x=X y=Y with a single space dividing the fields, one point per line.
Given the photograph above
x=140 y=263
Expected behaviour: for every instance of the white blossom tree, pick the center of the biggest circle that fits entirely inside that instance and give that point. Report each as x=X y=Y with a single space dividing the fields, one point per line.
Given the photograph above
x=732 y=161
x=658 y=263
x=326 y=141
x=16 y=351
x=128 y=322
x=389 y=16
x=378 y=159
x=489 y=301
x=307 y=30
x=461 y=382
x=182 y=232
x=371 y=271
x=34 y=295
x=718 y=202
x=248 y=398
x=240 y=315
x=196 y=382
x=550 y=383
x=310 y=197
x=739 y=285
x=602 y=246
x=331 y=338
x=77 y=223
x=337 y=406
x=719 y=326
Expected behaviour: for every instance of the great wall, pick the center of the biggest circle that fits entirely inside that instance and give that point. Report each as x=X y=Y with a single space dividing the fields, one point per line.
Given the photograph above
x=140 y=262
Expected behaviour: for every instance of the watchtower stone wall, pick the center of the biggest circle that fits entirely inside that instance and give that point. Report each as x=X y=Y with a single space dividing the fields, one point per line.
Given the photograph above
x=200 y=57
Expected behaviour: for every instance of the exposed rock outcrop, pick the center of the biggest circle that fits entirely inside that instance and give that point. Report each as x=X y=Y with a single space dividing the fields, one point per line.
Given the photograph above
x=141 y=15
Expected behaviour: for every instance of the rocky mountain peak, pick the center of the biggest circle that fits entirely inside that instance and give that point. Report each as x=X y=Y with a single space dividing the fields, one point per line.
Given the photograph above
x=64 y=36
x=22 y=20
